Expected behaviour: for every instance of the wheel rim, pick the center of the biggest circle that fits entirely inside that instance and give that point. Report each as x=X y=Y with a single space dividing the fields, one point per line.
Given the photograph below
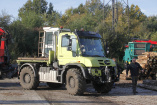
x=27 y=78
x=71 y=82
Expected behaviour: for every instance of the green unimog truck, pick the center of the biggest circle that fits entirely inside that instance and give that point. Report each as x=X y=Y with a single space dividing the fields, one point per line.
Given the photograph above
x=70 y=58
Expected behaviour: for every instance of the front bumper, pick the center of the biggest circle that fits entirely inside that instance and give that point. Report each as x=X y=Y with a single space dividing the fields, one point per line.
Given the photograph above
x=102 y=74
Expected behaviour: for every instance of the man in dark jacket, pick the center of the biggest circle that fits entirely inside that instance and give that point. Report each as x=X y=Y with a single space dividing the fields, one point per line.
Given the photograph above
x=134 y=68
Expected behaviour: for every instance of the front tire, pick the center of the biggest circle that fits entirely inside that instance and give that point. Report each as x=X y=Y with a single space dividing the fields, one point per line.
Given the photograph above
x=75 y=82
x=27 y=79
x=103 y=87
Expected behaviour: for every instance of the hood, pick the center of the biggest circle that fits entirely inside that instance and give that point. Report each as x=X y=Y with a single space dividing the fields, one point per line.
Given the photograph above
x=98 y=61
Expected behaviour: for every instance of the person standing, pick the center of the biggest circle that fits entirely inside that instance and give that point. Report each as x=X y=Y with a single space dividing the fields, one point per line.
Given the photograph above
x=134 y=68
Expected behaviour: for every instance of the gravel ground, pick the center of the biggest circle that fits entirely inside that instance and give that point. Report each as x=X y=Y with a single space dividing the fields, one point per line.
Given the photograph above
x=12 y=93
x=120 y=95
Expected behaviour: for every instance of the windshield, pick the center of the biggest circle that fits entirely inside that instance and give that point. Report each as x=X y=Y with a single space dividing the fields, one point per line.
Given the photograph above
x=91 y=47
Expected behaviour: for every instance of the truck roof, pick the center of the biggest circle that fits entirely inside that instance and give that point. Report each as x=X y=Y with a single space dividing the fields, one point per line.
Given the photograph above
x=88 y=34
x=50 y=29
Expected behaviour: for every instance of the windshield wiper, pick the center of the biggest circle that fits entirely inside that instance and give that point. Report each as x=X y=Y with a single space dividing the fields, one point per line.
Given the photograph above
x=87 y=55
x=97 y=56
x=93 y=55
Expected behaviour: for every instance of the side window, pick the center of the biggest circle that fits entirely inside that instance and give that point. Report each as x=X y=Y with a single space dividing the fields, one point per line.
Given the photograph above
x=65 y=41
x=49 y=38
x=74 y=46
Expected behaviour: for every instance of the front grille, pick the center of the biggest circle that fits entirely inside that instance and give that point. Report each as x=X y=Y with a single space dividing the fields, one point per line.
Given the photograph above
x=104 y=62
x=101 y=62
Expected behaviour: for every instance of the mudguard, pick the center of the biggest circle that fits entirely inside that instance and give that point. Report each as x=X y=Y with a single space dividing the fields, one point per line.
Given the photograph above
x=27 y=64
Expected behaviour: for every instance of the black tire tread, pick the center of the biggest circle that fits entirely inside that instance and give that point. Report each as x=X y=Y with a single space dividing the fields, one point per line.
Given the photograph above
x=34 y=82
x=80 y=87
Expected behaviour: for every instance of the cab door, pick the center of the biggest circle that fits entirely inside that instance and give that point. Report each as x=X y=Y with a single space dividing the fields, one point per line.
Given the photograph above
x=67 y=49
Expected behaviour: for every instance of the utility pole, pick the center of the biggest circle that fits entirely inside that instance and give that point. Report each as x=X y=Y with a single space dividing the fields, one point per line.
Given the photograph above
x=128 y=17
x=103 y=10
x=113 y=13
x=103 y=17
x=116 y=11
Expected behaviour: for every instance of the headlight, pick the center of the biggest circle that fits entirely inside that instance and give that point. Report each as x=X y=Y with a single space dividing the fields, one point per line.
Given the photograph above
x=89 y=70
x=107 y=70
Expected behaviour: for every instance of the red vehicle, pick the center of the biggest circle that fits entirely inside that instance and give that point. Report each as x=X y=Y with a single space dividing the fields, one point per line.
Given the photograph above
x=153 y=43
x=2 y=47
x=5 y=66
x=148 y=41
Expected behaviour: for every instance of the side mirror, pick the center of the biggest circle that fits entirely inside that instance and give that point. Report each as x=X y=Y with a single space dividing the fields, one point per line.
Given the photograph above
x=108 y=51
x=106 y=47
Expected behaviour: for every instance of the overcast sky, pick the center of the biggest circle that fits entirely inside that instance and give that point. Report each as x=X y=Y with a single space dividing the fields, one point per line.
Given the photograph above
x=149 y=7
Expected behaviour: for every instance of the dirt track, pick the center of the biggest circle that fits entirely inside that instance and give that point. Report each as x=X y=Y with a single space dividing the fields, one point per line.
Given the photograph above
x=12 y=93
x=120 y=95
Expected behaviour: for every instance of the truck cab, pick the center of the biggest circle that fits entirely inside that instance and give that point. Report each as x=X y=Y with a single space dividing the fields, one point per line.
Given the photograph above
x=70 y=58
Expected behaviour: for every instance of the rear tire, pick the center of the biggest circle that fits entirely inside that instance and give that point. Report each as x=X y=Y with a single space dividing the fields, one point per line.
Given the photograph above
x=54 y=85
x=75 y=82
x=103 y=87
x=27 y=79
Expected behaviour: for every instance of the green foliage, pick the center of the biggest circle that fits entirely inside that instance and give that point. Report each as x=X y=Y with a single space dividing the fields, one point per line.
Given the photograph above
x=33 y=15
x=92 y=5
x=25 y=40
x=5 y=19
x=31 y=19
x=152 y=24
x=50 y=9
x=39 y=6
x=154 y=36
x=36 y=14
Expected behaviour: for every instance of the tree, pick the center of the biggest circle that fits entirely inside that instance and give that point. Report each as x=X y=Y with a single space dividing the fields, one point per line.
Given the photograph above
x=5 y=19
x=25 y=40
x=92 y=5
x=152 y=24
x=28 y=6
x=36 y=14
x=32 y=20
x=50 y=9
x=81 y=9
x=52 y=17
x=40 y=6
